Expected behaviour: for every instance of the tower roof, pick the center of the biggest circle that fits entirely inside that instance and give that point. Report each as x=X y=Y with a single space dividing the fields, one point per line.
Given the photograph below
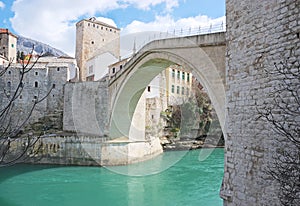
x=95 y=21
x=6 y=31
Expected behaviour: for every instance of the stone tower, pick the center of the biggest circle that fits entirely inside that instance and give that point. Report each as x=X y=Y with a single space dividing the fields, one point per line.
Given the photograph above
x=94 y=38
x=259 y=34
x=8 y=45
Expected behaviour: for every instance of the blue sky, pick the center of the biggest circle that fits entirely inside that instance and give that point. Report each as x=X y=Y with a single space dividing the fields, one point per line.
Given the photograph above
x=53 y=21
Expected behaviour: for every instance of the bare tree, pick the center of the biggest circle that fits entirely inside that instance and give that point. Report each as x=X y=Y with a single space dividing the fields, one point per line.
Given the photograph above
x=283 y=114
x=14 y=147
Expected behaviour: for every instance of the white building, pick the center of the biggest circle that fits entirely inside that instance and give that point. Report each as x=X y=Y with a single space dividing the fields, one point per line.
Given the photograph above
x=98 y=66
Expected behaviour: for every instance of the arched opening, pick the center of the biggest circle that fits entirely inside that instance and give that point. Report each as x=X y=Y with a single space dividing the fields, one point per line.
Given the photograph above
x=207 y=64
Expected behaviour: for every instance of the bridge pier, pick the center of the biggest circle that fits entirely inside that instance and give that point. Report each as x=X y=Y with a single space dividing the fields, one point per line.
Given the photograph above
x=133 y=147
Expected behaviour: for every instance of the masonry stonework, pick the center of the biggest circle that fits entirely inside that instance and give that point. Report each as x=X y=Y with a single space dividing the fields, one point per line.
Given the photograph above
x=259 y=33
x=86 y=108
x=37 y=83
x=94 y=38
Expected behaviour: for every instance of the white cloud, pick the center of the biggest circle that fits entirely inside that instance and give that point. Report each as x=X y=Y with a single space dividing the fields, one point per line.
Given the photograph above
x=146 y=4
x=53 y=21
x=169 y=24
x=139 y=33
x=107 y=21
x=2 y=5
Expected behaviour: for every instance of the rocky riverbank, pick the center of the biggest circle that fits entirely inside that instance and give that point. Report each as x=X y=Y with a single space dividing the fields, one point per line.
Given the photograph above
x=191 y=143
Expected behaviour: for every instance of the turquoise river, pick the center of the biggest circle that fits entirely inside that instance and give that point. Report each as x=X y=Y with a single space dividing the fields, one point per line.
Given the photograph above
x=173 y=178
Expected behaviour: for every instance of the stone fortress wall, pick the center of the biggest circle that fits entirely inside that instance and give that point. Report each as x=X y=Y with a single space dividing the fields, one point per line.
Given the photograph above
x=37 y=84
x=259 y=34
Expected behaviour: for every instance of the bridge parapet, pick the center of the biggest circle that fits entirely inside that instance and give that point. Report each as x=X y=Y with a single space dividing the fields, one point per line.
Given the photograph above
x=202 y=40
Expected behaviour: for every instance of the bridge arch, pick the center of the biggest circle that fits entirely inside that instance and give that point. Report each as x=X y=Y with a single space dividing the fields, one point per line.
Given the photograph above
x=203 y=55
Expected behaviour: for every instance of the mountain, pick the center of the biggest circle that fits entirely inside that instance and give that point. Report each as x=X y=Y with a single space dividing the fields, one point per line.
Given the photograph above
x=25 y=45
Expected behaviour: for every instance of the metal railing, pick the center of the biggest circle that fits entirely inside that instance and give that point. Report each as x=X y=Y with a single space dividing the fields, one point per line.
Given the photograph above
x=173 y=33
x=184 y=32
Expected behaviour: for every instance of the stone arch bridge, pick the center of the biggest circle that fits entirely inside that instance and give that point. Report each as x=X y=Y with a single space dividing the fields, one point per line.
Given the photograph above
x=114 y=110
x=258 y=34
x=203 y=55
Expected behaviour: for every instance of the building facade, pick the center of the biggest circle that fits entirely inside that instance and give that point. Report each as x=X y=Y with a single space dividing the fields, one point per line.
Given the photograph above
x=46 y=79
x=178 y=84
x=94 y=38
x=8 y=46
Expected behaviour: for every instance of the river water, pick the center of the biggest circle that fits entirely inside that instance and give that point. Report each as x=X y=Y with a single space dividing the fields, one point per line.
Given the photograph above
x=173 y=178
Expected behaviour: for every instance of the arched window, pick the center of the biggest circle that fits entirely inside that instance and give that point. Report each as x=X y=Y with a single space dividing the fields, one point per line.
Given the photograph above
x=36 y=84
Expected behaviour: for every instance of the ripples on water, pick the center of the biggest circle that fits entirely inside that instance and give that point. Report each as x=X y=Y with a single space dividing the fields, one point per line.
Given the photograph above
x=156 y=182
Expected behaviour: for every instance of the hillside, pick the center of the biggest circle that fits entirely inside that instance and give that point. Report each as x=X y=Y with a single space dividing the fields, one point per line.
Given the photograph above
x=25 y=45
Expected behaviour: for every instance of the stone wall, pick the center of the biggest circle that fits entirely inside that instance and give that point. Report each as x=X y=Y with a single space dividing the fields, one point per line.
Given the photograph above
x=37 y=83
x=67 y=150
x=86 y=108
x=87 y=150
x=259 y=33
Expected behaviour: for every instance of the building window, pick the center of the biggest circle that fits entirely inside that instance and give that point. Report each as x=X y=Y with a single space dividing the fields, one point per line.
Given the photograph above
x=110 y=30
x=152 y=116
x=57 y=69
x=182 y=90
x=113 y=70
x=9 y=84
x=12 y=45
x=121 y=66
x=183 y=75
x=36 y=84
x=88 y=24
x=173 y=73
x=149 y=89
x=21 y=96
x=53 y=86
x=35 y=97
x=92 y=42
x=9 y=72
x=178 y=90
x=178 y=74
x=97 y=27
x=173 y=88
x=91 y=69
x=36 y=73
x=188 y=77
x=93 y=25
